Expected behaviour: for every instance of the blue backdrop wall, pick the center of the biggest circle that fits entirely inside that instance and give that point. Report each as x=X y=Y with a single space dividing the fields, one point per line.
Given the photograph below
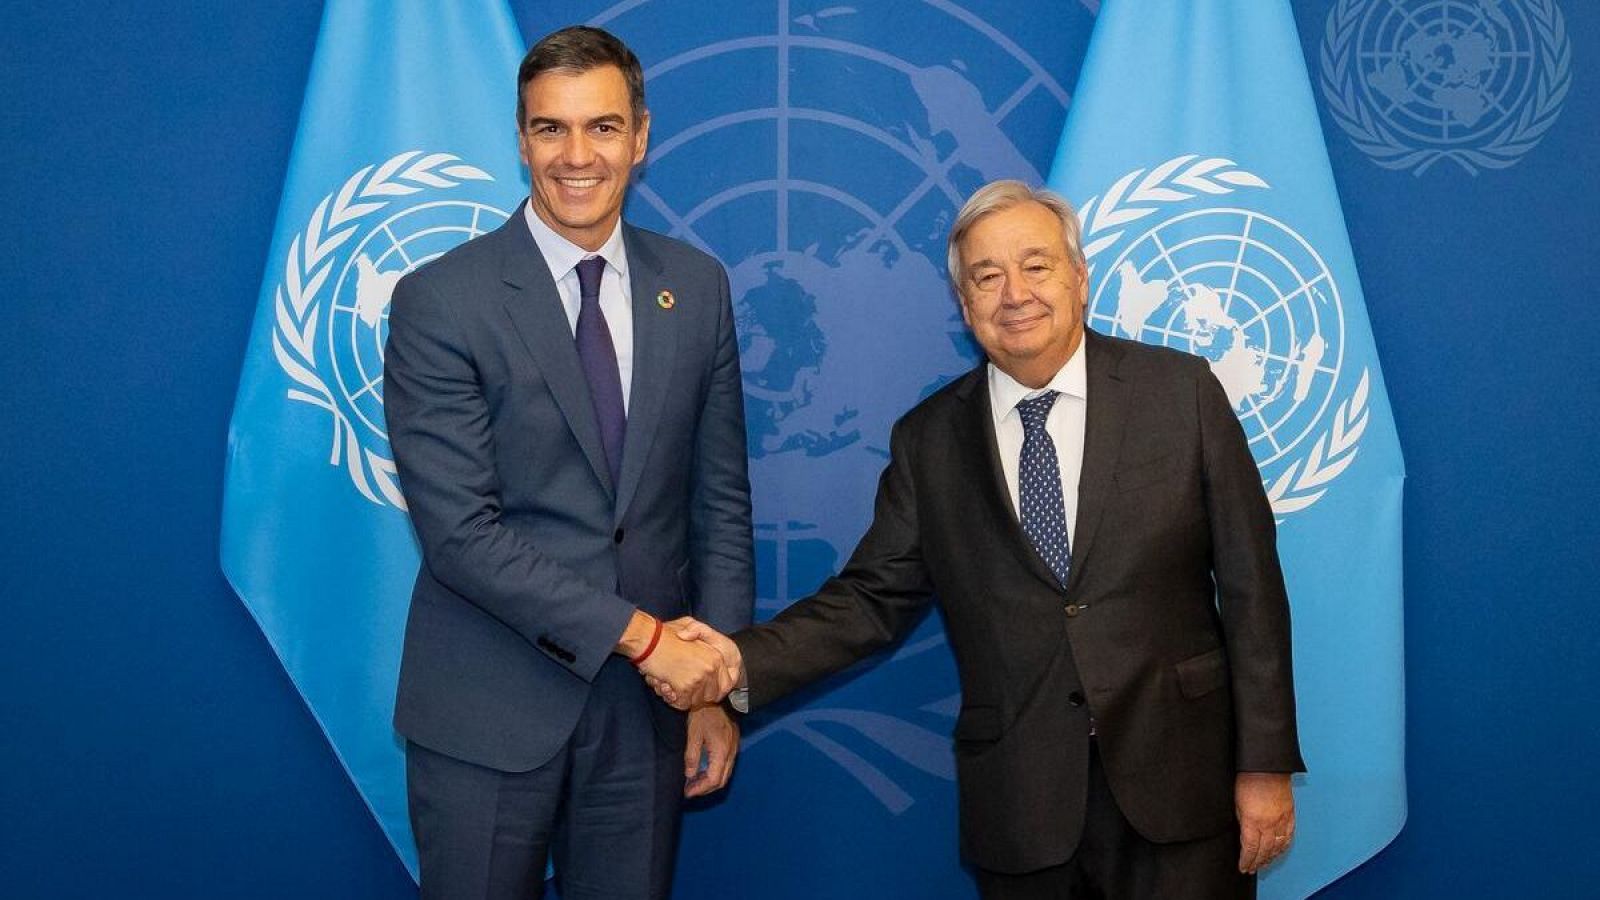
x=153 y=745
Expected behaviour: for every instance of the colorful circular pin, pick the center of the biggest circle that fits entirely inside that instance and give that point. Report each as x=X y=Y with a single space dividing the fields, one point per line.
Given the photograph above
x=665 y=300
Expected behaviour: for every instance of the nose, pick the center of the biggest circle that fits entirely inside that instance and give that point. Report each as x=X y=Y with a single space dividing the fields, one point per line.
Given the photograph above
x=1016 y=291
x=577 y=151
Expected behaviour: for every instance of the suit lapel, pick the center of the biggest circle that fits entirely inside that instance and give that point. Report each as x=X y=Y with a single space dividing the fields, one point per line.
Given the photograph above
x=1104 y=424
x=534 y=307
x=975 y=433
x=655 y=344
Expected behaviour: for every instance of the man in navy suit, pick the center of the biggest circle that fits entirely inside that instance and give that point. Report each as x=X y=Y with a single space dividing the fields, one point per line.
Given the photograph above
x=565 y=406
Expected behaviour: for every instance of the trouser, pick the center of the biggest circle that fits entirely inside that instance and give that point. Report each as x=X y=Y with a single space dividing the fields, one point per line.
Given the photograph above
x=1114 y=862
x=604 y=809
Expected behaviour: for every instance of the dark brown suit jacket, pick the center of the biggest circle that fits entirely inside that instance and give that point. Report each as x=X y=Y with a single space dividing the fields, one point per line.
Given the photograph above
x=1173 y=629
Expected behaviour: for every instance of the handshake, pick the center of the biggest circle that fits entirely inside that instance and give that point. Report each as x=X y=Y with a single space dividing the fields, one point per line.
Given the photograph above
x=686 y=662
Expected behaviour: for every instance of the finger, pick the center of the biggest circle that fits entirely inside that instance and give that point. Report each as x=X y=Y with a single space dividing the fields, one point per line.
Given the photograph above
x=725 y=762
x=703 y=781
x=681 y=699
x=716 y=774
x=662 y=689
x=1264 y=854
x=1280 y=843
x=1249 y=848
x=692 y=753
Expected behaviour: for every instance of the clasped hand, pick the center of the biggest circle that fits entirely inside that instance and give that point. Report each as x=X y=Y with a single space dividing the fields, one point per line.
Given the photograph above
x=693 y=665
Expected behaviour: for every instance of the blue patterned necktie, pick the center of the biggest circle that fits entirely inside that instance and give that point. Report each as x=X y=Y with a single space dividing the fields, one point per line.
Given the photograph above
x=1044 y=517
x=598 y=356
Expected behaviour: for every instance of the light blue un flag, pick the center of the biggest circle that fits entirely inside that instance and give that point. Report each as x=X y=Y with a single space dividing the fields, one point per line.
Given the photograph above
x=406 y=147
x=1193 y=152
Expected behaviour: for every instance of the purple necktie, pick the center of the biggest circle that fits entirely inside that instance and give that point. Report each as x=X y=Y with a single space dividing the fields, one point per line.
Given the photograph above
x=598 y=356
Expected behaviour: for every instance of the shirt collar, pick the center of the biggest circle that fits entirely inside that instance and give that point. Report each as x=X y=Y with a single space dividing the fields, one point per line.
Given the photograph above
x=562 y=255
x=1071 y=379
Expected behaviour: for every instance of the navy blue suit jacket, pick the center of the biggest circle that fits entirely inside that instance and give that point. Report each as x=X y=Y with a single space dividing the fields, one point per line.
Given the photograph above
x=533 y=561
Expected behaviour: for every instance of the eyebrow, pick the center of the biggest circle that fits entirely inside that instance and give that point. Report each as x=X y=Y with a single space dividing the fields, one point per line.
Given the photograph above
x=608 y=118
x=1023 y=254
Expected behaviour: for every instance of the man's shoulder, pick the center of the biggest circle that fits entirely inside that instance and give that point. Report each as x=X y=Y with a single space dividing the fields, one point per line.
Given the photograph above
x=1132 y=359
x=460 y=266
x=670 y=254
x=934 y=411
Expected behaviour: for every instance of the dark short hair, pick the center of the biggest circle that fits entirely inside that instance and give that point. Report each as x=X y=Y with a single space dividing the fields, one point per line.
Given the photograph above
x=580 y=48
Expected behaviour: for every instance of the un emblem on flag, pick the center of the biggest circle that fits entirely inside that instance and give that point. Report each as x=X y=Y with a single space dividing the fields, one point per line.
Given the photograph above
x=332 y=306
x=1246 y=292
x=1477 y=82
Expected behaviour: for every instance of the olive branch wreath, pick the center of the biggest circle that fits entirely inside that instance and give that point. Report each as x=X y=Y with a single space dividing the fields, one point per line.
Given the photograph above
x=1388 y=150
x=1140 y=193
x=305 y=273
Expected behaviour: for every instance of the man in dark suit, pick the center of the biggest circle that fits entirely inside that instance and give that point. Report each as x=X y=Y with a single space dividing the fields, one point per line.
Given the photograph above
x=565 y=406
x=1088 y=514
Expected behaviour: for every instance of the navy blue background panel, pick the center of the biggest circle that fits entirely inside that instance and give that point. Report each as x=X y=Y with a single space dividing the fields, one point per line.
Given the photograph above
x=153 y=744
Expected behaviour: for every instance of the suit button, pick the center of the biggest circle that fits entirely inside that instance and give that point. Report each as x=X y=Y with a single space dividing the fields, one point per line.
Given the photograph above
x=1075 y=698
x=616 y=536
x=1072 y=609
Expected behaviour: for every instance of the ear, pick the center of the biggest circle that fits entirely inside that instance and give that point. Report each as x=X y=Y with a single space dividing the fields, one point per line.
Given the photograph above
x=641 y=138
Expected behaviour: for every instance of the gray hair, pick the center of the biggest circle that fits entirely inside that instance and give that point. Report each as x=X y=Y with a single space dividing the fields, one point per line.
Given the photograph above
x=997 y=196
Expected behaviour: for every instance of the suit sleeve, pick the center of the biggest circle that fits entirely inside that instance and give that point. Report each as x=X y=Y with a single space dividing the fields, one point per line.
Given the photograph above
x=866 y=607
x=438 y=419
x=721 y=548
x=1251 y=597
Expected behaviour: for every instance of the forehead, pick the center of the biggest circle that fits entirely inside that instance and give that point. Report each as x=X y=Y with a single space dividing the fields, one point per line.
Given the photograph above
x=560 y=93
x=1008 y=232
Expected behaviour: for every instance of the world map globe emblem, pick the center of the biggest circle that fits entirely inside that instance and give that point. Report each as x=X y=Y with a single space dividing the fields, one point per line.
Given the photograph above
x=1251 y=296
x=331 y=303
x=841 y=145
x=357 y=318
x=1474 y=81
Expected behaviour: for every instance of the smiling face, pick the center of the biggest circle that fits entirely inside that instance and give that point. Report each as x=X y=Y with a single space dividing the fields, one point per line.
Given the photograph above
x=1022 y=292
x=580 y=142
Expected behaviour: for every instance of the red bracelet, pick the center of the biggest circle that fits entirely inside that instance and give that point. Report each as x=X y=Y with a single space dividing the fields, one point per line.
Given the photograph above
x=650 y=647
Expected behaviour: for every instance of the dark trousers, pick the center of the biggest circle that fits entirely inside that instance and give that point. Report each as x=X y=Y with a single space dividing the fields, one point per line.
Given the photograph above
x=1113 y=862
x=604 y=809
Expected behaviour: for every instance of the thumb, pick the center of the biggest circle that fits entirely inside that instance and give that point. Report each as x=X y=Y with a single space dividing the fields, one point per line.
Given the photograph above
x=692 y=630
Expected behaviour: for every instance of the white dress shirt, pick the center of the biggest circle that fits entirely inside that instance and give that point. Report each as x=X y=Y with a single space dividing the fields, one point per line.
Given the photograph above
x=1064 y=425
x=616 y=295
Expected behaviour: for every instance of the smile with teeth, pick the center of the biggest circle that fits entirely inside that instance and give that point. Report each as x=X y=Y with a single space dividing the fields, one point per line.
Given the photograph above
x=588 y=181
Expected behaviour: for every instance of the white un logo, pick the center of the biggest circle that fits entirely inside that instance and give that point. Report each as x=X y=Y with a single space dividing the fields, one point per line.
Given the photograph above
x=332 y=304
x=1477 y=82
x=1246 y=292
x=358 y=319
x=1251 y=296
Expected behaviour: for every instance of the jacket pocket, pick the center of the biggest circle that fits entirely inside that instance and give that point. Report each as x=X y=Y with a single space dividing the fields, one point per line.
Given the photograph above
x=1200 y=675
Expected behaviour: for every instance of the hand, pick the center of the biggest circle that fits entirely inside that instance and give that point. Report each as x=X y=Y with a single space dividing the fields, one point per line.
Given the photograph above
x=686 y=673
x=691 y=629
x=712 y=731
x=1264 y=802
